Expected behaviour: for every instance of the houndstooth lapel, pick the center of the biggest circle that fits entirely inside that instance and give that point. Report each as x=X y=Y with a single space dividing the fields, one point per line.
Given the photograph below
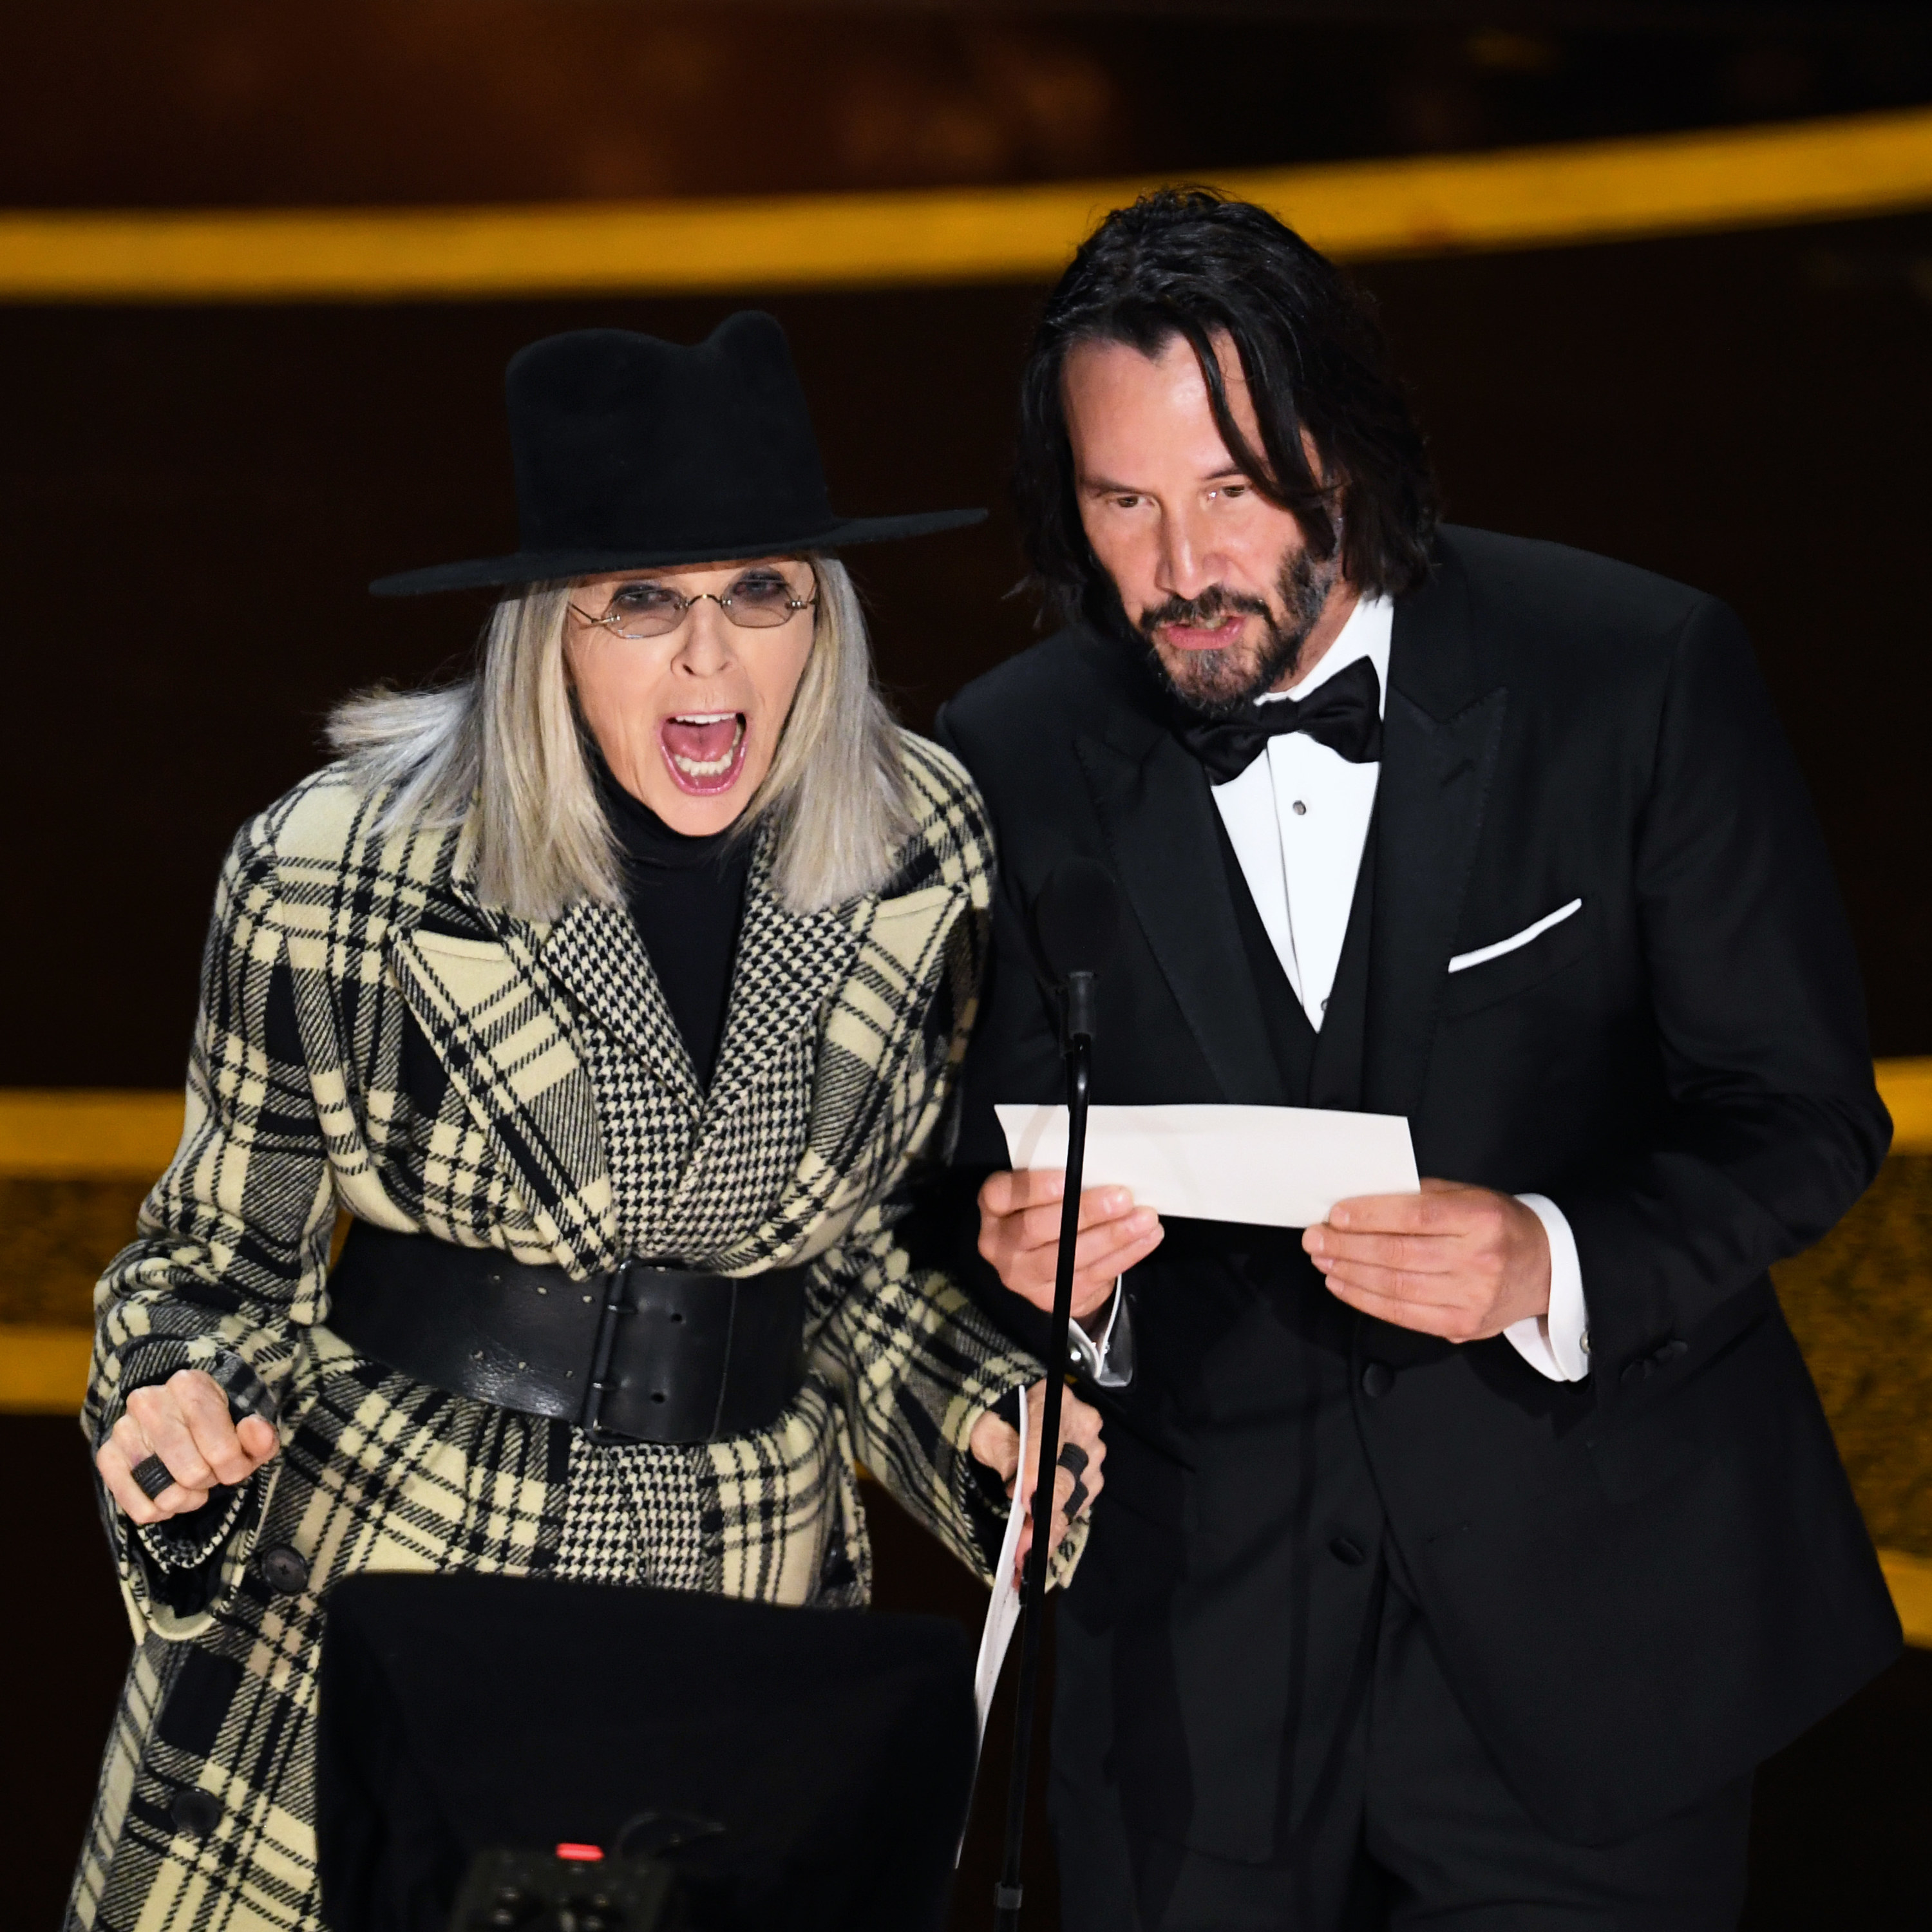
x=753 y=1125
x=694 y=1171
x=788 y=966
x=885 y=1026
x=596 y=955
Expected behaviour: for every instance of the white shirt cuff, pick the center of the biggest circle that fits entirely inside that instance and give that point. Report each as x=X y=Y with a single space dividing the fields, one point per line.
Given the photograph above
x=1108 y=1357
x=1556 y=1344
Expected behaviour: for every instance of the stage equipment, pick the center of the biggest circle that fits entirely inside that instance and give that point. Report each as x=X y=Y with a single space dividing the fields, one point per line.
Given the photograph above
x=568 y=1890
x=1076 y=923
x=803 y=1768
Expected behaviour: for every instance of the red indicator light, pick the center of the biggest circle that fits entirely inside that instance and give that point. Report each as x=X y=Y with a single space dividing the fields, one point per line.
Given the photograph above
x=586 y=1855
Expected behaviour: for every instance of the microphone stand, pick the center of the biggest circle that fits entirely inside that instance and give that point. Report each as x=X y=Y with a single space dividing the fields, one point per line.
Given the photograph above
x=1077 y=1016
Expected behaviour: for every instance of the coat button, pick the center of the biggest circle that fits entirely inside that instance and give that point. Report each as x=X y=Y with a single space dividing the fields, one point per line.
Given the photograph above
x=284 y=1570
x=197 y=1812
x=1346 y=1549
x=1378 y=1378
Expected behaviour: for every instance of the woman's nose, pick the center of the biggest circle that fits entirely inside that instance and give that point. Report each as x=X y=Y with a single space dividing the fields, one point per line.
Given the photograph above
x=706 y=642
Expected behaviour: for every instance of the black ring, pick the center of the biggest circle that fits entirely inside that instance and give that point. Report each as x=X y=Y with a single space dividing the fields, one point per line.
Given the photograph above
x=1076 y=1497
x=1072 y=1458
x=152 y=1476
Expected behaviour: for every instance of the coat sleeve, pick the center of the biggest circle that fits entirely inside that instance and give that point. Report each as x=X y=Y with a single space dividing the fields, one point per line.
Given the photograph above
x=232 y=1248
x=1772 y=1126
x=917 y=1366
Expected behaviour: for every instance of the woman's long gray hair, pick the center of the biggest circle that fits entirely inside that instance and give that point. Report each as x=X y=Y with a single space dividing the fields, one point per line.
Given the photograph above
x=506 y=751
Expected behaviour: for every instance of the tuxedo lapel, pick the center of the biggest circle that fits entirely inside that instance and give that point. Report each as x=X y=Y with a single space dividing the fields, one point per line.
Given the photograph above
x=1441 y=731
x=1159 y=818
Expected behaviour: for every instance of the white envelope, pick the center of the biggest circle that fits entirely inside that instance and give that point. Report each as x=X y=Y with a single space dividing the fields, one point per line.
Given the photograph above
x=1270 y=1167
x=1003 y=1613
x=1003 y=1616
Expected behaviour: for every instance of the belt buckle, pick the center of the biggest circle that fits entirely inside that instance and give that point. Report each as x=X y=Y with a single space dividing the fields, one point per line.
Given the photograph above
x=617 y=1304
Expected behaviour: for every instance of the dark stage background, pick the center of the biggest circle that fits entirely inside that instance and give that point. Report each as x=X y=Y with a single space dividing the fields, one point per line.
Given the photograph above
x=191 y=501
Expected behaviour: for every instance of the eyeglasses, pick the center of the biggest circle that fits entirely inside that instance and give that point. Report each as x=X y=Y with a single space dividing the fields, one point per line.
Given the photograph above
x=759 y=600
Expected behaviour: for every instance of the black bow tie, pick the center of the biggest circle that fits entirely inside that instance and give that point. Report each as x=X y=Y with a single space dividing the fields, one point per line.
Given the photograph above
x=1345 y=714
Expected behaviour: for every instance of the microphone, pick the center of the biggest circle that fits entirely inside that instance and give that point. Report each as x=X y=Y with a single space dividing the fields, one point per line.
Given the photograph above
x=1076 y=928
x=1076 y=931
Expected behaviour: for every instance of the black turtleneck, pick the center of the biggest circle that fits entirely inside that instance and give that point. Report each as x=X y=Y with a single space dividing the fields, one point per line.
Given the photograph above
x=687 y=896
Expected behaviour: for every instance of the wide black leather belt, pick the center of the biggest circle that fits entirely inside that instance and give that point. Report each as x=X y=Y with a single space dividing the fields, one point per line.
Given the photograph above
x=645 y=1354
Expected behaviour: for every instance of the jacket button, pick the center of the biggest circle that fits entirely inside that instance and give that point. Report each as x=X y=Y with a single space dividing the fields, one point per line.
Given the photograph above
x=284 y=1570
x=1346 y=1549
x=197 y=1812
x=1378 y=1378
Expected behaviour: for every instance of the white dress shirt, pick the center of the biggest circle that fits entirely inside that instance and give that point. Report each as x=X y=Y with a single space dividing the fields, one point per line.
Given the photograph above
x=1298 y=818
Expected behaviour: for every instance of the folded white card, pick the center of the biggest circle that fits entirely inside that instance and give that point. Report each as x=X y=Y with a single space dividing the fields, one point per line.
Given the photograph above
x=1003 y=1612
x=1271 y=1167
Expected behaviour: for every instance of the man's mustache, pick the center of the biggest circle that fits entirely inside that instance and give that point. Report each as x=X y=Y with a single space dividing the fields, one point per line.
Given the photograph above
x=1205 y=610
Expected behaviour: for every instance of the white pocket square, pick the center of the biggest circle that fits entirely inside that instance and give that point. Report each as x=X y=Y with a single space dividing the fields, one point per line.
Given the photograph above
x=1463 y=962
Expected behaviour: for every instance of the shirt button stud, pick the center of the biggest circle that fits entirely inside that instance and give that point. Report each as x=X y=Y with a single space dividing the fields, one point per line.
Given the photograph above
x=1301 y=810
x=1378 y=1378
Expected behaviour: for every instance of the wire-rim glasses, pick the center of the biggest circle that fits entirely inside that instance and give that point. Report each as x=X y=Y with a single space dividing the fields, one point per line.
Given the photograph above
x=757 y=600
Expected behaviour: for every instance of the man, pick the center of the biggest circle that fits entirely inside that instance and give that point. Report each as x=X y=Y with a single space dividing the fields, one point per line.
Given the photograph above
x=1462 y=1557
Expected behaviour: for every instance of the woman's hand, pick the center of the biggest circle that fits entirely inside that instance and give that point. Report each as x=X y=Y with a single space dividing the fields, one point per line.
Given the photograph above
x=1078 y=1481
x=184 y=1421
x=1019 y=1234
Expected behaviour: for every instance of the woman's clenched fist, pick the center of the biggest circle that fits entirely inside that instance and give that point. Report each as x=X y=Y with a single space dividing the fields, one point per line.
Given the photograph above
x=184 y=1421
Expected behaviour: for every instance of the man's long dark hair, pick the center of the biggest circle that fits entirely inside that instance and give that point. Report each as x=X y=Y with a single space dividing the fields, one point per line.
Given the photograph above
x=1186 y=262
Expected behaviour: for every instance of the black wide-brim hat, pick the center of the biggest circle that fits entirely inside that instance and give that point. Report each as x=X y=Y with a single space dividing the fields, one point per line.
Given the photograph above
x=631 y=453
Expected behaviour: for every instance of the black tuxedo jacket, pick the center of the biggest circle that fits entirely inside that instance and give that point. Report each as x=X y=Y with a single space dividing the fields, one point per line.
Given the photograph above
x=1641 y=1584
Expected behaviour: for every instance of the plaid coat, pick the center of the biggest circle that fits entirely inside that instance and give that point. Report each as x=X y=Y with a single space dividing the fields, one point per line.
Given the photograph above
x=374 y=1039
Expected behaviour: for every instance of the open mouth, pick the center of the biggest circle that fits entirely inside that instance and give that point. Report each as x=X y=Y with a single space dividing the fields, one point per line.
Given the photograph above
x=704 y=750
x=1218 y=637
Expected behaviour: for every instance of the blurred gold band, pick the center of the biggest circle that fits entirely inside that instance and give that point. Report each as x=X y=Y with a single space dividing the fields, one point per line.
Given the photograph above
x=1518 y=198
x=129 y=1134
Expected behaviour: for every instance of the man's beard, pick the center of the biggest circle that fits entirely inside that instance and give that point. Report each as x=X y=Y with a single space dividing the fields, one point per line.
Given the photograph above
x=1217 y=684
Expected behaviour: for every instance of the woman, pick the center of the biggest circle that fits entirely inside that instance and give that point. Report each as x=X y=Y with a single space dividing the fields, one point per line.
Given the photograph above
x=611 y=994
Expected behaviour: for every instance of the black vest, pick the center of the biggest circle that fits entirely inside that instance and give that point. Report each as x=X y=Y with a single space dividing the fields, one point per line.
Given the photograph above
x=1318 y=1070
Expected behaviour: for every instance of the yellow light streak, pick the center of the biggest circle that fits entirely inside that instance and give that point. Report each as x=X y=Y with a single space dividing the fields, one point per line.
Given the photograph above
x=1518 y=198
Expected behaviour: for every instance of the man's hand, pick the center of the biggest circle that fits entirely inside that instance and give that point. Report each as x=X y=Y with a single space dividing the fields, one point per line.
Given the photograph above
x=1460 y=1262
x=1078 y=1481
x=184 y=1421
x=1019 y=1234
